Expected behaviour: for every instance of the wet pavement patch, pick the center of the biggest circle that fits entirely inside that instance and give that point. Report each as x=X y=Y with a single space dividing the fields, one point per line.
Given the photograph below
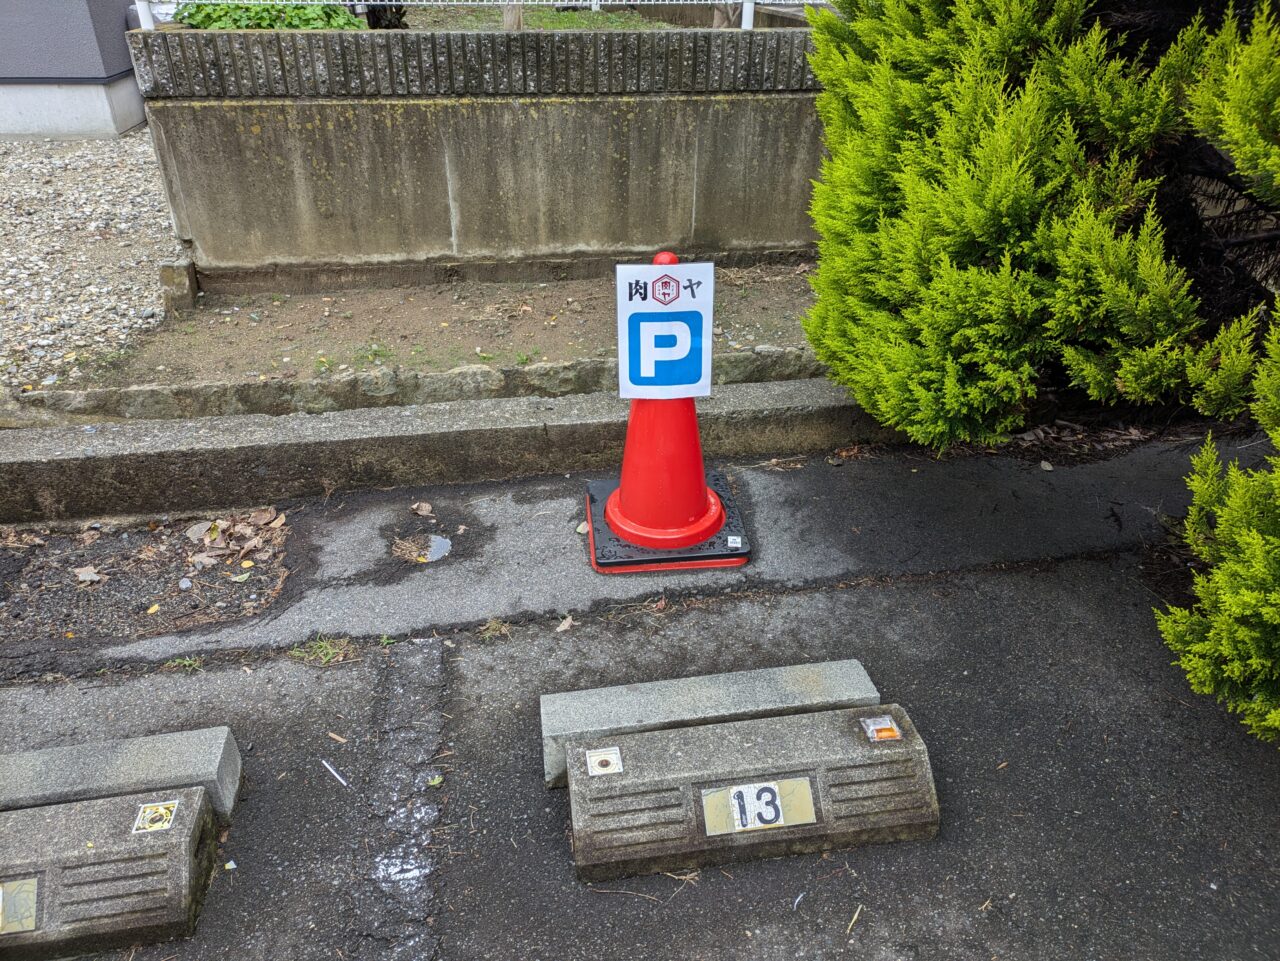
x=1090 y=806
x=382 y=537
x=140 y=580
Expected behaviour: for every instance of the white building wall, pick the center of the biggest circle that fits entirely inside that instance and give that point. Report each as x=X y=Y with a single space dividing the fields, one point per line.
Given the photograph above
x=69 y=111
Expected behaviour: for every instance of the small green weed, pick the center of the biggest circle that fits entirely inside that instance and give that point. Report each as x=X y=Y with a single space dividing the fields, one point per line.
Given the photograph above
x=373 y=354
x=324 y=651
x=494 y=628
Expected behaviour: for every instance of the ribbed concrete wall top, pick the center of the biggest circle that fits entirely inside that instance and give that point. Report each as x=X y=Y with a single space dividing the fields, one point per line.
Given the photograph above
x=193 y=64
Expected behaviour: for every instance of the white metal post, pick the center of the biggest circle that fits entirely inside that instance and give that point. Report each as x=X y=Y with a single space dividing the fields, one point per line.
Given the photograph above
x=146 y=20
x=748 y=14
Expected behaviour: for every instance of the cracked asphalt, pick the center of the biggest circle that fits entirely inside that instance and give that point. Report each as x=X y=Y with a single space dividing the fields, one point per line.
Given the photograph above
x=1092 y=807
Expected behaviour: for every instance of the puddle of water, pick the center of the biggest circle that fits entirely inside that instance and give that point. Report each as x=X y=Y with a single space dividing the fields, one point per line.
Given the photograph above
x=438 y=548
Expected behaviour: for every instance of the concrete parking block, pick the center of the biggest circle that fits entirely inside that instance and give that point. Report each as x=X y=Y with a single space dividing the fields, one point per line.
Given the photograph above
x=667 y=800
x=90 y=875
x=207 y=758
x=686 y=701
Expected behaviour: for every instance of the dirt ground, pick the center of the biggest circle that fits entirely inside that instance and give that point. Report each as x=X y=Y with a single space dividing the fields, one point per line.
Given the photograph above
x=105 y=581
x=432 y=328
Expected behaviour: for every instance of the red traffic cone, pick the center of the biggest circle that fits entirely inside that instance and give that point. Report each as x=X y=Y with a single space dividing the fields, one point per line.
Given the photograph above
x=666 y=512
x=663 y=499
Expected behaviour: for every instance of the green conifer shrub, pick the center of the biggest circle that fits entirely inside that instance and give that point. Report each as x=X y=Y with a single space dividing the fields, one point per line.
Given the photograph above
x=986 y=223
x=1235 y=100
x=1229 y=641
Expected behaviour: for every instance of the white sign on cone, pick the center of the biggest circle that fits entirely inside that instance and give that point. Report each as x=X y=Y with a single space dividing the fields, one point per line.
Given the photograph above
x=664 y=330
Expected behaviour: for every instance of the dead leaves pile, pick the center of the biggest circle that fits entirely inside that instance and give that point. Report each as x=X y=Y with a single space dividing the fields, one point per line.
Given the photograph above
x=12 y=539
x=416 y=548
x=412 y=550
x=248 y=540
x=1071 y=437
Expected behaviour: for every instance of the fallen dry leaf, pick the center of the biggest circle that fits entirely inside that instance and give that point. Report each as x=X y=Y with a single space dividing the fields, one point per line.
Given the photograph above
x=421 y=508
x=87 y=575
x=196 y=531
x=264 y=516
x=583 y=528
x=153 y=608
x=564 y=625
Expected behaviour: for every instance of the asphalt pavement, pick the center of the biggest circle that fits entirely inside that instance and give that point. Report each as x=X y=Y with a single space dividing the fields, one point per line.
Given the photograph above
x=1092 y=806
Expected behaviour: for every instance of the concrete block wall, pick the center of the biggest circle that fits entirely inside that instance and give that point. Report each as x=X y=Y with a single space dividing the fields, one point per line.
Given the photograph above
x=290 y=151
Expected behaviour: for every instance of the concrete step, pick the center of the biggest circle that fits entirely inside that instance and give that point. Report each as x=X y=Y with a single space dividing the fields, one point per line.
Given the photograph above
x=159 y=466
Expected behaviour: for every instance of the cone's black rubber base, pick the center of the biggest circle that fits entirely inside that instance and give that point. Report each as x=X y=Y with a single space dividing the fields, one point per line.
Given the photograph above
x=610 y=554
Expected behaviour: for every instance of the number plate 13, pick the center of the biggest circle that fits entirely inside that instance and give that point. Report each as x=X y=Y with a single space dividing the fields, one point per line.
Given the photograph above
x=756 y=807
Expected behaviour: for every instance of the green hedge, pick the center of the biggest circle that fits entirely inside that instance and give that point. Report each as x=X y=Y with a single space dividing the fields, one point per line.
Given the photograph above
x=986 y=223
x=1229 y=641
x=240 y=16
x=1235 y=101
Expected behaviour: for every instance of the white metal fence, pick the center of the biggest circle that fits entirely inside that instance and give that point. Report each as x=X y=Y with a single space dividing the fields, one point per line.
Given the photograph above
x=151 y=10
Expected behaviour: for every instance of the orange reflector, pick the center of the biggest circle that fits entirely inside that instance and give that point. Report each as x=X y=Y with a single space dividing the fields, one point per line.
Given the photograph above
x=882 y=728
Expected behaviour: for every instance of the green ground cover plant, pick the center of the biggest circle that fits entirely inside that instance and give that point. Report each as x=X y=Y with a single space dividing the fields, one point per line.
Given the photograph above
x=1228 y=642
x=240 y=16
x=1234 y=101
x=986 y=219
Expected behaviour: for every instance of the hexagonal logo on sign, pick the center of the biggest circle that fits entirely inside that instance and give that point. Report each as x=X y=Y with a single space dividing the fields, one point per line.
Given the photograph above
x=666 y=289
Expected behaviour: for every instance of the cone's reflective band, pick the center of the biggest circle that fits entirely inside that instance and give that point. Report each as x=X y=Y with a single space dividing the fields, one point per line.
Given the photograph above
x=663 y=500
x=663 y=514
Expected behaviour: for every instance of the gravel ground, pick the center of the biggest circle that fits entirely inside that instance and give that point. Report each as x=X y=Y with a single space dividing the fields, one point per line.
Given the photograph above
x=83 y=228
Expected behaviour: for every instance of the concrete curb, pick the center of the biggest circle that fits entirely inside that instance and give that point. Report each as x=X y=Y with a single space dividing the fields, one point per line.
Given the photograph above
x=155 y=466
x=388 y=387
x=307 y=278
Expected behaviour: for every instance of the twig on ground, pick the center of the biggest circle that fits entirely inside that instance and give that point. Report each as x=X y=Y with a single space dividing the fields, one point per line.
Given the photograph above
x=853 y=920
x=634 y=894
